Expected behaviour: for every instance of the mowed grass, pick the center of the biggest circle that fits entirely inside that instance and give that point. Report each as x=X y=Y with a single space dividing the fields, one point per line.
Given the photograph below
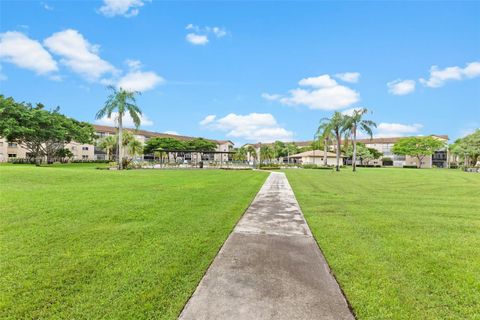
x=403 y=243
x=80 y=243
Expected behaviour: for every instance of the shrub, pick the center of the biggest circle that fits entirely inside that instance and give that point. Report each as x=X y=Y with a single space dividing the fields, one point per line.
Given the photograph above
x=408 y=166
x=315 y=166
x=90 y=161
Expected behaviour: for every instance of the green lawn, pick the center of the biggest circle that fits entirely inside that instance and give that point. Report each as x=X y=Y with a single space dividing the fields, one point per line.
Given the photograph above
x=80 y=243
x=403 y=243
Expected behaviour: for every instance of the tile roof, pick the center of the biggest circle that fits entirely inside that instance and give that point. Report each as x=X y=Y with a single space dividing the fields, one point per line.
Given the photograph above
x=152 y=134
x=314 y=153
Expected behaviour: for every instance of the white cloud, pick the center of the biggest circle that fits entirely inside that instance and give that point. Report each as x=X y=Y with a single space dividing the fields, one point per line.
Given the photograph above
x=126 y=8
x=172 y=132
x=197 y=39
x=17 y=48
x=351 y=77
x=78 y=54
x=208 y=119
x=140 y=81
x=199 y=35
x=438 y=76
x=325 y=94
x=219 y=32
x=127 y=121
x=271 y=97
x=252 y=127
x=396 y=129
x=322 y=81
x=401 y=87
x=349 y=112
x=133 y=65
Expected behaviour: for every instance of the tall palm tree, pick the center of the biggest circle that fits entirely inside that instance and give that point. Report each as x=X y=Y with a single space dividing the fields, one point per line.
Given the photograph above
x=336 y=126
x=355 y=123
x=123 y=101
x=108 y=144
x=324 y=132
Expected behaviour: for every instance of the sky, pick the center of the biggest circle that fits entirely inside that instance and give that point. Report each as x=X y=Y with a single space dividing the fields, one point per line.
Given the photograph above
x=253 y=70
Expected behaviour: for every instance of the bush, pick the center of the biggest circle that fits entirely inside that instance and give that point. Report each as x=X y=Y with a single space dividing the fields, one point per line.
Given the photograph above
x=22 y=160
x=413 y=166
x=315 y=166
x=90 y=161
x=369 y=165
x=454 y=166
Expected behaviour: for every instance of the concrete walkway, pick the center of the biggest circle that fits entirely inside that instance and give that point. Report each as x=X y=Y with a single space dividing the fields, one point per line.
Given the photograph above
x=270 y=267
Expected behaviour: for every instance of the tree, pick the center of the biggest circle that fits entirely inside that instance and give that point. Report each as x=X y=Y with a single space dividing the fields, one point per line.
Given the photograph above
x=40 y=131
x=201 y=144
x=157 y=143
x=418 y=147
x=355 y=123
x=251 y=151
x=108 y=144
x=123 y=101
x=266 y=153
x=291 y=149
x=63 y=154
x=467 y=148
x=240 y=154
x=325 y=134
x=278 y=149
x=334 y=126
x=134 y=147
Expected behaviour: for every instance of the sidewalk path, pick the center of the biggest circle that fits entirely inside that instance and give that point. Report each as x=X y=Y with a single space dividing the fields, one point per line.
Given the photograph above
x=270 y=267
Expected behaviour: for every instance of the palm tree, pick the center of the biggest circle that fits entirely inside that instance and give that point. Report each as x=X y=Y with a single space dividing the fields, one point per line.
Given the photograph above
x=324 y=132
x=108 y=144
x=353 y=124
x=123 y=101
x=134 y=148
x=336 y=126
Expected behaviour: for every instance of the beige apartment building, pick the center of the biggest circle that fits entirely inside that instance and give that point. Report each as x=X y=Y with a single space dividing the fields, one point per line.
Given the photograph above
x=385 y=145
x=91 y=152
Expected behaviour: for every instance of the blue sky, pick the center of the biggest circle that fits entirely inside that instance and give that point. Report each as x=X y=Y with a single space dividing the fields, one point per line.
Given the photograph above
x=250 y=71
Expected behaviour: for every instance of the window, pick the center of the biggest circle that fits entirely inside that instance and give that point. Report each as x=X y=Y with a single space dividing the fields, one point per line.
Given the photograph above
x=85 y=157
x=74 y=148
x=85 y=148
x=12 y=155
x=12 y=145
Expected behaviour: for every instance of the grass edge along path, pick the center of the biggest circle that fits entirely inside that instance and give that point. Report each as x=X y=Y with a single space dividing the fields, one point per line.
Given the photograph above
x=84 y=243
x=403 y=244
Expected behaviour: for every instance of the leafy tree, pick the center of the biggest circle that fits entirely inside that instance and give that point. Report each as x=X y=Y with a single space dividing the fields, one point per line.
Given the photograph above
x=291 y=149
x=123 y=101
x=418 y=147
x=334 y=126
x=201 y=144
x=39 y=131
x=157 y=143
x=468 y=148
x=63 y=154
x=278 y=149
x=355 y=123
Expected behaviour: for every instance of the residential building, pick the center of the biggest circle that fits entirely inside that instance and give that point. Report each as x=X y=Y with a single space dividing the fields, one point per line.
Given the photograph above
x=385 y=145
x=315 y=157
x=10 y=150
